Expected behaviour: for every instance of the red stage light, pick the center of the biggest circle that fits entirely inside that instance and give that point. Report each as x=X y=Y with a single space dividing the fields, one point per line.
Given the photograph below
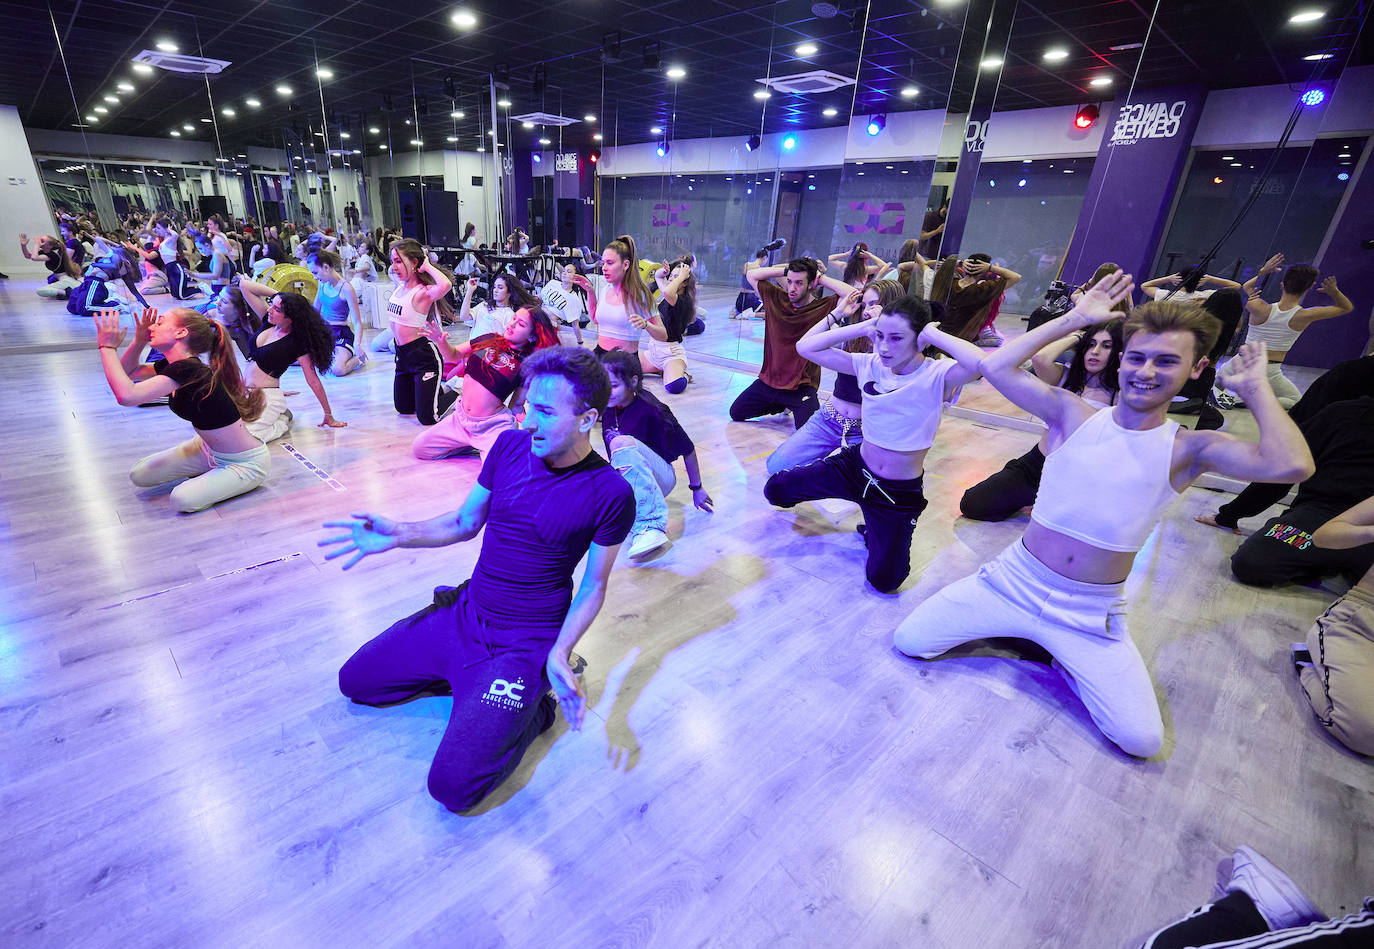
x=1086 y=117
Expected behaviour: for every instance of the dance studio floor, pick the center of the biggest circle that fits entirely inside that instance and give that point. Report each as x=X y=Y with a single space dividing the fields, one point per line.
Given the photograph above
x=758 y=768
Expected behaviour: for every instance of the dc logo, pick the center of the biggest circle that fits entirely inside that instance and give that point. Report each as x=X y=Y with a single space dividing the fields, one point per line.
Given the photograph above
x=501 y=687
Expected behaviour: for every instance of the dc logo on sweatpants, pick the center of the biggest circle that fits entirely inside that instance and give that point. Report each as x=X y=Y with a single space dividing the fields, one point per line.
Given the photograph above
x=505 y=694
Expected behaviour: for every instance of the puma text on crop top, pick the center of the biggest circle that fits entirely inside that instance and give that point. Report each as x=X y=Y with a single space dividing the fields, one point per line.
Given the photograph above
x=902 y=412
x=401 y=312
x=1107 y=485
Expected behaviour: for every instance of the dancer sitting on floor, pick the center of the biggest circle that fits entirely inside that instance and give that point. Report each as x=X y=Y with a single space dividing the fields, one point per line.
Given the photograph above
x=643 y=438
x=903 y=391
x=490 y=365
x=63 y=273
x=296 y=334
x=787 y=381
x=419 y=297
x=224 y=459
x=1093 y=374
x=502 y=639
x=1109 y=474
x=618 y=300
x=337 y=302
x=839 y=420
x=677 y=307
x=491 y=316
x=565 y=301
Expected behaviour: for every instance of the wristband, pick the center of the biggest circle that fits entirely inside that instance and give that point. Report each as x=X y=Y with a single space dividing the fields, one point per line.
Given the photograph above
x=693 y=487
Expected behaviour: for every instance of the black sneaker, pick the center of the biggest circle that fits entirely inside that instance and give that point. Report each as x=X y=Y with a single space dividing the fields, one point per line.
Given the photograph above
x=1300 y=656
x=4 y=276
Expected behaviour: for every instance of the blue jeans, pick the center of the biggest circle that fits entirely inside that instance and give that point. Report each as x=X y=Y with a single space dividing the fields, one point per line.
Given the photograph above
x=650 y=477
x=820 y=436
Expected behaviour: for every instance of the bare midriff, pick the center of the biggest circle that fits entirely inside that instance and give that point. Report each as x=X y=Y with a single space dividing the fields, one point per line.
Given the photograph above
x=623 y=345
x=893 y=465
x=846 y=408
x=404 y=334
x=1076 y=559
x=231 y=439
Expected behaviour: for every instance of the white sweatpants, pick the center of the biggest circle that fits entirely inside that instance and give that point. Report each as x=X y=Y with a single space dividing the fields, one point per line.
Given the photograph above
x=275 y=420
x=1083 y=625
x=211 y=476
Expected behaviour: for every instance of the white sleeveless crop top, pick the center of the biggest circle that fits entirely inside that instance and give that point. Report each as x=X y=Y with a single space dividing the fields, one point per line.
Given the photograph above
x=1106 y=485
x=399 y=309
x=902 y=412
x=1275 y=331
x=612 y=319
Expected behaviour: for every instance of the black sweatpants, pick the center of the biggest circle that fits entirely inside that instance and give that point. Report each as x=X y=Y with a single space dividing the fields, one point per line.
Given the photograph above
x=890 y=508
x=179 y=282
x=501 y=698
x=416 y=389
x=1282 y=551
x=1234 y=922
x=1006 y=492
x=762 y=399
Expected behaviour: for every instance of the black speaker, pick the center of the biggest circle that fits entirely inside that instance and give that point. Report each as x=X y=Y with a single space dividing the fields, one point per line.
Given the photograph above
x=441 y=218
x=570 y=222
x=412 y=216
x=213 y=204
x=271 y=213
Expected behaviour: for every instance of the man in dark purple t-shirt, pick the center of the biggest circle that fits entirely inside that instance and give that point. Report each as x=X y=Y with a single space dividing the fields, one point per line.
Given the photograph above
x=501 y=640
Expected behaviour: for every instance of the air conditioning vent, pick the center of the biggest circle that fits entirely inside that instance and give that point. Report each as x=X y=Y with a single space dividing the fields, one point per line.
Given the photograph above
x=543 y=118
x=177 y=62
x=806 y=83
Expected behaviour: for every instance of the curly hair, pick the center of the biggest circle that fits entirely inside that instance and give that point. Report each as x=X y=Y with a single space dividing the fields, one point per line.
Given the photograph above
x=1076 y=377
x=308 y=328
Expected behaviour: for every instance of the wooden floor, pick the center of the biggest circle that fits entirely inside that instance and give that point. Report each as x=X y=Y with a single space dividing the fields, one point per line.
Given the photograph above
x=760 y=768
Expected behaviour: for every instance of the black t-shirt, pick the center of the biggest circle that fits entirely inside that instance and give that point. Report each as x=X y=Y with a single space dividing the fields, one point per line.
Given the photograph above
x=52 y=259
x=675 y=317
x=76 y=251
x=494 y=365
x=193 y=400
x=650 y=421
x=541 y=523
x=276 y=357
x=1352 y=379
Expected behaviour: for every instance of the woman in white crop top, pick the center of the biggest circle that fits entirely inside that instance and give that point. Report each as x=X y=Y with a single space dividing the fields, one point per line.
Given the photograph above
x=619 y=301
x=903 y=392
x=420 y=293
x=1278 y=325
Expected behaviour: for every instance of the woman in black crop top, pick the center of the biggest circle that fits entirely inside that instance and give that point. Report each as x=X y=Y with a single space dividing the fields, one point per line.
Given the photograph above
x=296 y=335
x=677 y=307
x=490 y=365
x=223 y=459
x=838 y=421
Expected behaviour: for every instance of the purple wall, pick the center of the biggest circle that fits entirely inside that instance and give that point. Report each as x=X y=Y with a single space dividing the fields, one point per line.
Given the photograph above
x=1133 y=181
x=965 y=178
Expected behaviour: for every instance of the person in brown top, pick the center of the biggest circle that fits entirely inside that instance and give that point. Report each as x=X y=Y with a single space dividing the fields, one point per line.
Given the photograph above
x=969 y=288
x=786 y=380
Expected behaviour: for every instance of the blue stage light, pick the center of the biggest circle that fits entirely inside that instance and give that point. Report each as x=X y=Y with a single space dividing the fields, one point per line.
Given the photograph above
x=789 y=142
x=876 y=124
x=1343 y=176
x=1021 y=183
x=1313 y=97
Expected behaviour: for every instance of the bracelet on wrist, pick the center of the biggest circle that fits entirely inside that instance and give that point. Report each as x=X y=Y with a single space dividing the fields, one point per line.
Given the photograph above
x=693 y=487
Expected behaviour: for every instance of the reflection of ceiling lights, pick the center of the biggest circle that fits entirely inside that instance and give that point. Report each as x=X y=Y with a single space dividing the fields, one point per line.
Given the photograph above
x=597 y=137
x=1055 y=55
x=189 y=127
x=527 y=125
x=807 y=49
x=173 y=61
x=283 y=90
x=761 y=94
x=1306 y=16
x=373 y=130
x=324 y=73
x=207 y=120
x=503 y=103
x=588 y=118
x=992 y=62
x=175 y=134
x=910 y=92
x=227 y=112
x=417 y=141
x=457 y=114
x=830 y=112
x=544 y=118
x=91 y=118
x=453 y=138
x=101 y=109
x=463 y=19
x=252 y=103
x=125 y=87
x=114 y=100
x=382 y=147
x=675 y=72
x=545 y=141
x=655 y=131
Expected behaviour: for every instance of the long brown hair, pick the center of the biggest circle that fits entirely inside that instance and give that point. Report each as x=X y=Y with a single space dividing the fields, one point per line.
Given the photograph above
x=204 y=335
x=910 y=253
x=632 y=286
x=413 y=251
x=48 y=244
x=889 y=292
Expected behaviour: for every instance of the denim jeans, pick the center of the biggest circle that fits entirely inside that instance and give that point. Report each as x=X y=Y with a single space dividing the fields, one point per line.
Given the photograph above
x=820 y=436
x=652 y=480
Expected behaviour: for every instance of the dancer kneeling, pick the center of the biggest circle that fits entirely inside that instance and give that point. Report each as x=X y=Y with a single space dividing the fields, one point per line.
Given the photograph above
x=1092 y=374
x=491 y=372
x=297 y=335
x=504 y=637
x=1109 y=475
x=643 y=439
x=224 y=459
x=421 y=289
x=903 y=392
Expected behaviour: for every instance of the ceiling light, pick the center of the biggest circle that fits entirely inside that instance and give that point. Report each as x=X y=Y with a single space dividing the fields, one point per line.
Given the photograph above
x=1228 y=157
x=1055 y=55
x=453 y=138
x=538 y=158
x=588 y=118
x=503 y=103
x=382 y=147
x=252 y=103
x=662 y=149
x=207 y=120
x=1216 y=180
x=357 y=151
x=910 y=92
x=344 y=135
x=408 y=122
x=545 y=141
x=1100 y=81
x=176 y=134
x=655 y=131
x=527 y=125
x=417 y=141
x=189 y=127
x=324 y=73
x=596 y=137
x=830 y=112
x=125 y=87
x=875 y=125
x=675 y=72
x=806 y=49
x=457 y=114
x=761 y=94
x=1236 y=164
x=101 y=109
x=167 y=46
x=113 y=99
x=789 y=142
x=283 y=90
x=1343 y=176
x=992 y=62
x=374 y=130
x=1317 y=57
x=753 y=142
x=1345 y=155
x=227 y=112
x=463 y=19
x=91 y=118
x=1307 y=16
x=143 y=69
x=1312 y=97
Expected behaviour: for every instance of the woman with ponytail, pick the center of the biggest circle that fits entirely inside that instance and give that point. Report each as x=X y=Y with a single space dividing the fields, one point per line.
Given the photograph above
x=223 y=459
x=619 y=300
x=296 y=335
x=421 y=291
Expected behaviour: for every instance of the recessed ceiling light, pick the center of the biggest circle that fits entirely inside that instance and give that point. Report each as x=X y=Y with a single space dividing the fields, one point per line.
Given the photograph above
x=1307 y=16
x=283 y=90
x=1055 y=55
x=588 y=118
x=453 y=138
x=189 y=127
x=101 y=109
x=417 y=141
x=91 y=118
x=992 y=62
x=1317 y=57
x=1228 y=157
x=675 y=72
x=1026 y=161
x=167 y=46
x=324 y=73
x=143 y=69
x=344 y=135
x=207 y=120
x=806 y=49
x=1068 y=171
x=545 y=141
x=597 y=137
x=252 y=103
x=1236 y=164
x=125 y=87
x=503 y=103
x=830 y=112
x=527 y=125
x=373 y=130
x=655 y=131
x=910 y=92
x=1100 y=81
x=226 y=111
x=457 y=114
x=176 y=134
x=761 y=94
x=491 y=134
x=382 y=147
x=1345 y=155
x=463 y=19
x=357 y=151
x=113 y=99
x=408 y=122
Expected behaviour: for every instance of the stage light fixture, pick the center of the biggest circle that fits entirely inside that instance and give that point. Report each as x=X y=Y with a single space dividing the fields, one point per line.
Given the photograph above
x=876 y=123
x=752 y=143
x=662 y=149
x=1313 y=97
x=1086 y=116
x=789 y=142
x=594 y=155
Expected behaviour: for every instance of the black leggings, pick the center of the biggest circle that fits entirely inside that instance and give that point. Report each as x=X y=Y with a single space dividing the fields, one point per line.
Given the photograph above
x=179 y=283
x=890 y=508
x=762 y=399
x=1002 y=495
x=416 y=390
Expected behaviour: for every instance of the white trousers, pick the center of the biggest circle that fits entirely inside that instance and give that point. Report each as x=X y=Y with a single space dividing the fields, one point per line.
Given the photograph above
x=211 y=476
x=275 y=420
x=1083 y=625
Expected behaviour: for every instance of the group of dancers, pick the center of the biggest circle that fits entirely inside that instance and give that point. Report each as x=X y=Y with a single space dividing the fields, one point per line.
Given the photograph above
x=1102 y=377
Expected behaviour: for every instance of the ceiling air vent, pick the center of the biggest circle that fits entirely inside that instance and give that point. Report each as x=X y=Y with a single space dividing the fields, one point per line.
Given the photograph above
x=543 y=118
x=804 y=83
x=177 y=62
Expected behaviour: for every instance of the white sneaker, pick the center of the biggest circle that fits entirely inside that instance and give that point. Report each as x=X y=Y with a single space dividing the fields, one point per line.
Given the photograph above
x=989 y=339
x=646 y=542
x=1276 y=897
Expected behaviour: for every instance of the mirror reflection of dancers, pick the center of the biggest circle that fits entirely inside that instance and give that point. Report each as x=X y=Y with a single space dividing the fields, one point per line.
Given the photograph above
x=677 y=307
x=63 y=273
x=224 y=459
x=296 y=334
x=1109 y=475
x=502 y=642
x=490 y=366
x=903 y=392
x=1092 y=373
x=419 y=298
x=337 y=302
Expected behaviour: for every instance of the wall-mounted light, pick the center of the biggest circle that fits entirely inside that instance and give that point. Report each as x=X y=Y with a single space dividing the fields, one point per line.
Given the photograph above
x=789 y=142
x=752 y=143
x=1086 y=116
x=876 y=124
